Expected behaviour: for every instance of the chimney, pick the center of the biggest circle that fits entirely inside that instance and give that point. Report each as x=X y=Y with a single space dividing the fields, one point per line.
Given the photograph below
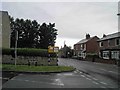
x=87 y=36
x=104 y=35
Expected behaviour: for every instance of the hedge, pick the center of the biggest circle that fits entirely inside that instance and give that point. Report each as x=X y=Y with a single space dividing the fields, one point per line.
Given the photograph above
x=27 y=52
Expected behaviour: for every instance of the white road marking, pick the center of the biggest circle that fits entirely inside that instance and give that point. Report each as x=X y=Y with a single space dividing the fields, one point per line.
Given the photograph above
x=75 y=71
x=82 y=75
x=95 y=78
x=27 y=80
x=58 y=82
x=103 y=83
x=88 y=75
x=103 y=69
x=88 y=78
x=95 y=82
x=112 y=71
x=80 y=72
x=58 y=74
x=68 y=74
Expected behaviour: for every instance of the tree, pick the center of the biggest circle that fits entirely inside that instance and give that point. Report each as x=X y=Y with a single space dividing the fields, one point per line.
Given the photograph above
x=47 y=35
x=31 y=34
x=12 y=25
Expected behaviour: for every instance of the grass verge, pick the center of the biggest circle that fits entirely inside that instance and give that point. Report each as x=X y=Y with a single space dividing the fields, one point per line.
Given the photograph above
x=25 y=68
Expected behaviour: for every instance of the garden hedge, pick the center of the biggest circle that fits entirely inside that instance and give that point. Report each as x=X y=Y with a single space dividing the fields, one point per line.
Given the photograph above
x=28 y=52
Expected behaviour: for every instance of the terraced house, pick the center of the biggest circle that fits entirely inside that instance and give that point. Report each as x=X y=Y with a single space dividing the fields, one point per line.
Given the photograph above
x=89 y=45
x=110 y=46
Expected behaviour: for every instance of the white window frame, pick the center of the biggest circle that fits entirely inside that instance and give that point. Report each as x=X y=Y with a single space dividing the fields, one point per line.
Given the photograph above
x=100 y=44
x=115 y=54
x=105 y=55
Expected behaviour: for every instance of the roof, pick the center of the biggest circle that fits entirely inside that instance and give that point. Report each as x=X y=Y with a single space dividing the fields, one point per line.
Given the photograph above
x=110 y=36
x=85 y=40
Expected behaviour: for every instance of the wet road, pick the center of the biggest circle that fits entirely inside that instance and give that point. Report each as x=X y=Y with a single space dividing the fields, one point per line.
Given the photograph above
x=107 y=73
x=87 y=75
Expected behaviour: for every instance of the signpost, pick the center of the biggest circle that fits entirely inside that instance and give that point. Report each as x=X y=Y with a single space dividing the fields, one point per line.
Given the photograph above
x=53 y=49
x=52 y=52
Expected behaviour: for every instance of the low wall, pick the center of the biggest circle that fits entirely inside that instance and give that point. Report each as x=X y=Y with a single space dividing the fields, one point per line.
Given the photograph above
x=100 y=60
x=28 y=60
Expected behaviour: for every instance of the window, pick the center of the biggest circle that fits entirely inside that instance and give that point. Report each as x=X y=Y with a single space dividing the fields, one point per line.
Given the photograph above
x=101 y=44
x=81 y=46
x=105 y=54
x=118 y=41
x=115 y=54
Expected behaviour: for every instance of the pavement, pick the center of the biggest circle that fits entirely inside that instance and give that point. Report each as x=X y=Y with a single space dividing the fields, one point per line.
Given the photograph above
x=86 y=75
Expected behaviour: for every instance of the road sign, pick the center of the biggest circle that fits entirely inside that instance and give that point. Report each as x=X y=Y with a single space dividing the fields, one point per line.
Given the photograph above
x=50 y=49
x=53 y=49
x=56 y=49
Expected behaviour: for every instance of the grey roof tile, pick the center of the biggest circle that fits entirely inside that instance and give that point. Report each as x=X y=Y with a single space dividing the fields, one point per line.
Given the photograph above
x=110 y=36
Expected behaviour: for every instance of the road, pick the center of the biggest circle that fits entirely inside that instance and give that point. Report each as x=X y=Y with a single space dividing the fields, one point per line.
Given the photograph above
x=86 y=75
x=105 y=73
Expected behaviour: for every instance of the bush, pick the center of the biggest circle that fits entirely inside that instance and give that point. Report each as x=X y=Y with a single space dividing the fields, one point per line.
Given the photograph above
x=91 y=55
x=27 y=52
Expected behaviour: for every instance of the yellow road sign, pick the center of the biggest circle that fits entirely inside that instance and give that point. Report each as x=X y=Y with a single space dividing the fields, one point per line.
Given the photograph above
x=52 y=49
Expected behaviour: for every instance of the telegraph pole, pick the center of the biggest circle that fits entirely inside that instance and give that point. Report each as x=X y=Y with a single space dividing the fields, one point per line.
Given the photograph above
x=16 y=38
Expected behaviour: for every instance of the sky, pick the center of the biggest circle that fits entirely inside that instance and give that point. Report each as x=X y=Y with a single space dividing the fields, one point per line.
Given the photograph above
x=73 y=20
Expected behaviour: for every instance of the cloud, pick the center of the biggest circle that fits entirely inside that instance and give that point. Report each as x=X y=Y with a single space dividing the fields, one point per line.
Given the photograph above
x=73 y=19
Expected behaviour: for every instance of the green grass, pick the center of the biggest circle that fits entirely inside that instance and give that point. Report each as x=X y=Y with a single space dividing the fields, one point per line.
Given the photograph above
x=9 y=67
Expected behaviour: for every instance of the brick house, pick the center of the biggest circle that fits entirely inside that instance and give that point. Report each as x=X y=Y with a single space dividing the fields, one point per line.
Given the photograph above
x=86 y=46
x=110 y=46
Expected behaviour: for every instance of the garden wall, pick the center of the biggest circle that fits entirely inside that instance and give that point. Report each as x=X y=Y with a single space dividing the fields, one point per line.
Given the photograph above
x=31 y=60
x=100 y=60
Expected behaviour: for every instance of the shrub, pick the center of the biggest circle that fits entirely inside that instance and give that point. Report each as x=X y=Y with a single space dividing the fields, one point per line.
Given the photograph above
x=91 y=55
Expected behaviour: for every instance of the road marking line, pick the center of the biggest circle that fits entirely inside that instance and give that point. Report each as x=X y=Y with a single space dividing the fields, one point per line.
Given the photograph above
x=112 y=71
x=58 y=82
x=27 y=80
x=103 y=69
x=80 y=72
x=75 y=71
x=88 y=75
x=95 y=78
x=95 y=82
x=103 y=83
x=88 y=78
x=68 y=74
x=58 y=74
x=82 y=75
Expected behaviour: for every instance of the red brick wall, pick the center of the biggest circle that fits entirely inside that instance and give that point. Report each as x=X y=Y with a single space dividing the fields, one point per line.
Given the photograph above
x=92 y=45
x=77 y=46
x=106 y=45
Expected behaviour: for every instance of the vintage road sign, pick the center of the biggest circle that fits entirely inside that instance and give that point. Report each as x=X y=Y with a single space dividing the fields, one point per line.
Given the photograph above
x=53 y=49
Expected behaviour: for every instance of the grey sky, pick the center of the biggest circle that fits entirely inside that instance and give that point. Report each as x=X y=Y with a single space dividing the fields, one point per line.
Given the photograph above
x=73 y=19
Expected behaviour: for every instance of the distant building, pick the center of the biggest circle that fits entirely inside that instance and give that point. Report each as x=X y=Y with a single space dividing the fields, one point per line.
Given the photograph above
x=110 y=46
x=5 y=28
x=86 y=46
x=65 y=52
